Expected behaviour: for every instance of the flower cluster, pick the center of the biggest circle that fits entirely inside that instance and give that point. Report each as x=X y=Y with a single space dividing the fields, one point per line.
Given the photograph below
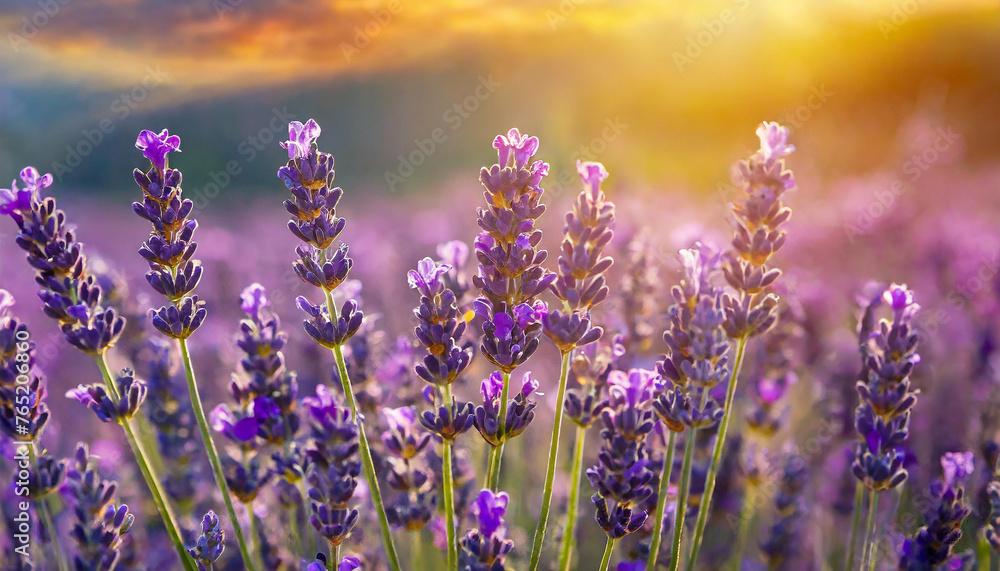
x=101 y=526
x=520 y=410
x=410 y=475
x=588 y=373
x=511 y=275
x=440 y=325
x=485 y=548
x=69 y=294
x=697 y=359
x=758 y=218
x=774 y=374
x=210 y=544
x=120 y=407
x=932 y=545
x=580 y=282
x=624 y=474
x=992 y=529
x=170 y=247
x=334 y=466
x=23 y=412
x=882 y=419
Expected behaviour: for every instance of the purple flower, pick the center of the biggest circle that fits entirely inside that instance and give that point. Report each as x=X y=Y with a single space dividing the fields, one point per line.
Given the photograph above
x=454 y=253
x=492 y=387
x=401 y=419
x=253 y=299
x=427 y=277
x=156 y=147
x=635 y=387
x=592 y=174
x=774 y=141
x=522 y=146
x=350 y=562
x=957 y=466
x=490 y=510
x=238 y=430
x=14 y=199
x=300 y=138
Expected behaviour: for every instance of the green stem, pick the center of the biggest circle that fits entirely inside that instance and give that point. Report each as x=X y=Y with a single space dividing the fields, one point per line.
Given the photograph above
x=606 y=560
x=449 y=494
x=569 y=537
x=661 y=502
x=746 y=518
x=152 y=479
x=42 y=504
x=550 y=471
x=870 y=548
x=213 y=453
x=334 y=560
x=680 y=512
x=713 y=469
x=416 y=555
x=366 y=454
x=859 y=498
x=254 y=534
x=494 y=480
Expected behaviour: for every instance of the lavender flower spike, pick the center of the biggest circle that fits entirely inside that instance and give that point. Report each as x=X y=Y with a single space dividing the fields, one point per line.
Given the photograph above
x=510 y=275
x=751 y=308
x=487 y=547
x=309 y=175
x=174 y=273
x=931 y=547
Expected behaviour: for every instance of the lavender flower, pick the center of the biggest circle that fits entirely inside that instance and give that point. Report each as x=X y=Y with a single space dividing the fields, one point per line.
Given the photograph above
x=510 y=271
x=486 y=548
x=440 y=325
x=69 y=294
x=992 y=529
x=409 y=473
x=131 y=393
x=624 y=472
x=101 y=528
x=210 y=544
x=697 y=360
x=23 y=412
x=580 y=283
x=520 y=410
x=882 y=419
x=931 y=547
x=170 y=247
x=335 y=467
x=758 y=218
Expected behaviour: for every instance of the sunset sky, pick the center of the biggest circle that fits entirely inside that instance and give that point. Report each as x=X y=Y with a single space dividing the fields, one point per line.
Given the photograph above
x=663 y=92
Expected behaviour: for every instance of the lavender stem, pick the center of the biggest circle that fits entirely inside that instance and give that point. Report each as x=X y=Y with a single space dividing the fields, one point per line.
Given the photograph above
x=569 y=537
x=606 y=560
x=493 y=479
x=152 y=480
x=868 y=560
x=713 y=468
x=550 y=472
x=43 y=508
x=661 y=501
x=859 y=498
x=213 y=453
x=682 y=500
x=448 y=492
x=366 y=454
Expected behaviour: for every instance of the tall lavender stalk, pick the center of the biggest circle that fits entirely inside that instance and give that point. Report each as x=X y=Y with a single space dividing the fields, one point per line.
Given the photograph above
x=510 y=272
x=101 y=527
x=751 y=309
x=174 y=274
x=580 y=285
x=439 y=330
x=623 y=474
x=74 y=299
x=882 y=419
x=697 y=361
x=309 y=177
x=932 y=546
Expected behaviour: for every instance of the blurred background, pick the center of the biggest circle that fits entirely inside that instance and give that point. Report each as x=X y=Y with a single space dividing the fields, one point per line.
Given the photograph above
x=892 y=106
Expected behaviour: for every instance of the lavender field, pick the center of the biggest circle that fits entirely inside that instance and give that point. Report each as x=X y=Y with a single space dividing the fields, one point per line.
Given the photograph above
x=768 y=339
